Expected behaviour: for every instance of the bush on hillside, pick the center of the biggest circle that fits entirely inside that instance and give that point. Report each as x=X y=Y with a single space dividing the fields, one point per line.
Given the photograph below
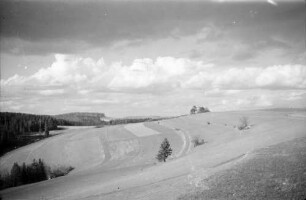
x=244 y=123
x=61 y=171
x=197 y=141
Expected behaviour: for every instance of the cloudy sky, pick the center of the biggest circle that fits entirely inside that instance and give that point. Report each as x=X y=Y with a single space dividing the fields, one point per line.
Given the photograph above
x=129 y=58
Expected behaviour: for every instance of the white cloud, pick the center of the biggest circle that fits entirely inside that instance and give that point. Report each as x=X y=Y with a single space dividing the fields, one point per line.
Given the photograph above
x=85 y=74
x=272 y=77
x=13 y=80
x=157 y=82
x=69 y=70
x=272 y=2
x=146 y=72
x=52 y=92
x=293 y=76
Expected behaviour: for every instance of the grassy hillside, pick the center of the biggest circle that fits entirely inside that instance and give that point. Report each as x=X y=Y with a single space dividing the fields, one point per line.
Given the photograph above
x=118 y=162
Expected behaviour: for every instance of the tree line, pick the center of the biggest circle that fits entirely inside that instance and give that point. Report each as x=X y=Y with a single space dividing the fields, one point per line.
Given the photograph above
x=14 y=125
x=31 y=173
x=80 y=119
x=24 y=174
x=16 y=128
x=129 y=120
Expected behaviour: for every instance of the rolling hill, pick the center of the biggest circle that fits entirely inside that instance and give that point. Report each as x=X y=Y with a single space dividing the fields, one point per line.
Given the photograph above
x=118 y=162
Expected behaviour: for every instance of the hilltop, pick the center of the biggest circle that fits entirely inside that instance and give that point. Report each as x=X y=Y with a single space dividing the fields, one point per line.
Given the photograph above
x=82 y=118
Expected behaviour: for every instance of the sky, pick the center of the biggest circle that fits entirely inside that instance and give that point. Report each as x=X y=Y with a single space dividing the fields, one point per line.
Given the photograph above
x=136 y=58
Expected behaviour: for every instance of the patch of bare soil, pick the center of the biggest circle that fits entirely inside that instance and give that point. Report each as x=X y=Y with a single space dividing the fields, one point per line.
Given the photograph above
x=277 y=172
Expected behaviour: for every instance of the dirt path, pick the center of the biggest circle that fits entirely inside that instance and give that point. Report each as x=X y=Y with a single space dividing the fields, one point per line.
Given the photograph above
x=104 y=144
x=184 y=136
x=186 y=142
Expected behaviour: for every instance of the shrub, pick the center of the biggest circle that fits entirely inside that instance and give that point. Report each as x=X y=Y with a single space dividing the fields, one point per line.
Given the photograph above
x=164 y=151
x=197 y=141
x=61 y=171
x=244 y=123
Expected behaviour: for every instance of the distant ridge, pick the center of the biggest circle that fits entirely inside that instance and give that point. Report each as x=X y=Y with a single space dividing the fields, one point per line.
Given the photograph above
x=286 y=109
x=82 y=118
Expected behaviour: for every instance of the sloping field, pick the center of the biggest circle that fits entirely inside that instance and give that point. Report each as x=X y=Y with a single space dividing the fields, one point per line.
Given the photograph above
x=140 y=130
x=119 y=162
x=276 y=172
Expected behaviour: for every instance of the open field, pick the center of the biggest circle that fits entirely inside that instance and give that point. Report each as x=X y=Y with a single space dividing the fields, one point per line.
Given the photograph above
x=275 y=172
x=118 y=162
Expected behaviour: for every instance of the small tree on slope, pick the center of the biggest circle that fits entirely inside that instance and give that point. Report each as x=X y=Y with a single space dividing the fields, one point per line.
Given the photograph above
x=164 y=151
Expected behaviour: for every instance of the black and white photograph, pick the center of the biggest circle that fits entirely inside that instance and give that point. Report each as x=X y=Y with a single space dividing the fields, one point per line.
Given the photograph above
x=152 y=99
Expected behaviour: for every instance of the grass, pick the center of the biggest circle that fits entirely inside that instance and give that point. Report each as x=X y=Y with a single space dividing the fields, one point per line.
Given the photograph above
x=278 y=172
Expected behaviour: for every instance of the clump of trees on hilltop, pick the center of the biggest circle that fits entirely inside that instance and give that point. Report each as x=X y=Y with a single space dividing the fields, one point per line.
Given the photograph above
x=198 y=109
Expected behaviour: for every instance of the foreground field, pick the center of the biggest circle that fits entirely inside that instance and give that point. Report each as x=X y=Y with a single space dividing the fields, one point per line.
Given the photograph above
x=119 y=162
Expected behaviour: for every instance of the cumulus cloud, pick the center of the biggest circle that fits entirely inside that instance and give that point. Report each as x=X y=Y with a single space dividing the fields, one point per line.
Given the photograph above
x=85 y=74
x=272 y=77
x=69 y=70
x=165 y=71
x=52 y=92
x=87 y=82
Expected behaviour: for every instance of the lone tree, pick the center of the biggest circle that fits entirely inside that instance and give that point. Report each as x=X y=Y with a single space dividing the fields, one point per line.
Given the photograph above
x=164 y=151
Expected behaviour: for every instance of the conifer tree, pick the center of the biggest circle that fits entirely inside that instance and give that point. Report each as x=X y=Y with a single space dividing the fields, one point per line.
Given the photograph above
x=164 y=151
x=24 y=174
x=16 y=174
x=42 y=170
